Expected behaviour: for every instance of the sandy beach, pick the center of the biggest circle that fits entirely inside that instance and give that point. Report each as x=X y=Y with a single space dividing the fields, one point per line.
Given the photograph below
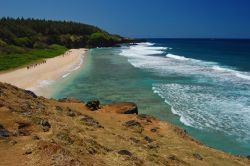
x=40 y=75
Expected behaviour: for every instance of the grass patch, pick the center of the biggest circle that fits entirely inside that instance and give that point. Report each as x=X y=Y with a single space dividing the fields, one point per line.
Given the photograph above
x=28 y=56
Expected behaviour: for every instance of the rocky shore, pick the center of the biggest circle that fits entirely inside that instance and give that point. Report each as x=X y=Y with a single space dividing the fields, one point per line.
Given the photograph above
x=68 y=132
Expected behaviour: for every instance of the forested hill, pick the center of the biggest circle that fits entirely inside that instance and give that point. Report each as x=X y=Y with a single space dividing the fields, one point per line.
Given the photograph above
x=35 y=33
x=25 y=41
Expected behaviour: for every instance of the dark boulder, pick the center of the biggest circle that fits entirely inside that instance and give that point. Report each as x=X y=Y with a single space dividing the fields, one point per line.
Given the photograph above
x=132 y=124
x=93 y=105
x=89 y=121
x=198 y=156
x=124 y=152
x=70 y=112
x=155 y=129
x=58 y=108
x=30 y=93
x=23 y=129
x=22 y=125
x=3 y=132
x=172 y=157
x=148 y=139
x=153 y=145
x=45 y=123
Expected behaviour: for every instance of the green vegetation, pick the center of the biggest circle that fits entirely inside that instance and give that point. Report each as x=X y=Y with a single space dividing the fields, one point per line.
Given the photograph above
x=32 y=32
x=23 y=41
x=100 y=39
x=26 y=56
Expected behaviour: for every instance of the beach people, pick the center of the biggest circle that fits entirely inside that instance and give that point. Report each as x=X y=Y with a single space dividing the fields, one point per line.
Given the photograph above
x=35 y=65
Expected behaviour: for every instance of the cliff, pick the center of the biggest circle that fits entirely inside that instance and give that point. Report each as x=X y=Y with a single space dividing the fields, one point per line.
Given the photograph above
x=39 y=131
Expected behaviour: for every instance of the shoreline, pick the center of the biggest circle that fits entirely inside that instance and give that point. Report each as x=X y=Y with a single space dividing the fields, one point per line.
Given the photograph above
x=38 y=76
x=136 y=134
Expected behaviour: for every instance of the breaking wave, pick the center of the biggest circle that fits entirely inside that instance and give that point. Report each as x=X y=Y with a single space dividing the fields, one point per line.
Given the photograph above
x=206 y=95
x=73 y=68
x=182 y=58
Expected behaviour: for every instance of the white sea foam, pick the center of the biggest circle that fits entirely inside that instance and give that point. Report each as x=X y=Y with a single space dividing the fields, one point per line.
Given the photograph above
x=208 y=107
x=65 y=75
x=73 y=68
x=218 y=68
x=215 y=106
x=247 y=77
x=76 y=68
x=141 y=56
x=147 y=43
x=242 y=75
x=45 y=82
x=41 y=84
x=142 y=49
x=182 y=58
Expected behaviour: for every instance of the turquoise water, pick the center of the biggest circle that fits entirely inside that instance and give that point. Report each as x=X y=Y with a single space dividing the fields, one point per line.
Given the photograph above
x=206 y=95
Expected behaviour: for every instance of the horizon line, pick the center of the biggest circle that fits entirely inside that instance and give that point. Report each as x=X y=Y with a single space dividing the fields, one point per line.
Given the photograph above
x=206 y=38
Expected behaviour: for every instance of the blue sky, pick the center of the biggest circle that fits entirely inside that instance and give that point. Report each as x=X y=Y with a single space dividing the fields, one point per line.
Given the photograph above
x=144 y=18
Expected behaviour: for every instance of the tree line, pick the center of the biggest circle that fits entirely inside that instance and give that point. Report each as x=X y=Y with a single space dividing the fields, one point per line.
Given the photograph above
x=41 y=33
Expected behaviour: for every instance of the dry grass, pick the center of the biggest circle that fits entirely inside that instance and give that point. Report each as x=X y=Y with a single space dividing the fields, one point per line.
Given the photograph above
x=48 y=132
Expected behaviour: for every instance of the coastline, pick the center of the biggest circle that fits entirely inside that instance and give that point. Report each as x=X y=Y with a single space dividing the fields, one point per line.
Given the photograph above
x=137 y=87
x=35 y=127
x=38 y=76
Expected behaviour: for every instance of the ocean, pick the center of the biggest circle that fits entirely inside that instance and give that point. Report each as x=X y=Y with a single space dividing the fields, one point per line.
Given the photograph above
x=200 y=85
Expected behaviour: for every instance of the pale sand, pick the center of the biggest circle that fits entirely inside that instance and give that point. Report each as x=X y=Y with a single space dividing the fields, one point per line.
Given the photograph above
x=38 y=77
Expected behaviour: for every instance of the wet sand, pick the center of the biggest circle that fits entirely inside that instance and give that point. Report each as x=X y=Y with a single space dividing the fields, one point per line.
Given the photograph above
x=40 y=75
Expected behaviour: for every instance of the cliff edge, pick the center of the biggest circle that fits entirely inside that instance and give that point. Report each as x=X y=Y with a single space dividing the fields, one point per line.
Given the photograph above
x=67 y=132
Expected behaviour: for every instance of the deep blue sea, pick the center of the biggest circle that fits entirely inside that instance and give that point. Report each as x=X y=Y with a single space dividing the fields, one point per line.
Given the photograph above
x=201 y=85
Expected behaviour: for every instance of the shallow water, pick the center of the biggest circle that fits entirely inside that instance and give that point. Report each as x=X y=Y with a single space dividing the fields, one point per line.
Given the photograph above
x=201 y=86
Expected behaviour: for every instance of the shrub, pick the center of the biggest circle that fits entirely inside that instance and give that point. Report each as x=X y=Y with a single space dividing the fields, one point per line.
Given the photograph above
x=39 y=44
x=2 y=43
x=98 y=39
x=23 y=42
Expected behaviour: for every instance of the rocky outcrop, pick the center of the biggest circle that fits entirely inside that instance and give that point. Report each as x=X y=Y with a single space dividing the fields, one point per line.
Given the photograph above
x=121 y=108
x=93 y=105
x=31 y=93
x=3 y=132
x=133 y=124
x=89 y=121
x=43 y=132
x=198 y=156
x=124 y=152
